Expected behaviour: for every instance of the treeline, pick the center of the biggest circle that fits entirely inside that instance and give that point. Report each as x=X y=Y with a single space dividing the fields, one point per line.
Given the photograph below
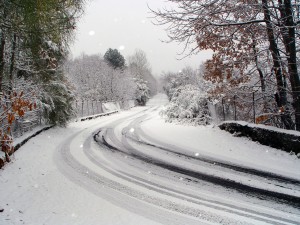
x=34 y=38
x=256 y=50
x=110 y=78
x=36 y=74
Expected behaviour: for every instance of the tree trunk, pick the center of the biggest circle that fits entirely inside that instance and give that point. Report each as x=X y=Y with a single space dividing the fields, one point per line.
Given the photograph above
x=286 y=118
x=12 y=63
x=289 y=40
x=2 y=49
x=261 y=75
x=2 y=45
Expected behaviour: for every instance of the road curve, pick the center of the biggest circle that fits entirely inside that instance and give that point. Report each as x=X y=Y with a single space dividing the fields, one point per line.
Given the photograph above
x=116 y=160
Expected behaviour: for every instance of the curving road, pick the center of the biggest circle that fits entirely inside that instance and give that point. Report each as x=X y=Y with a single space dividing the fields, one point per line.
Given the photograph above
x=118 y=161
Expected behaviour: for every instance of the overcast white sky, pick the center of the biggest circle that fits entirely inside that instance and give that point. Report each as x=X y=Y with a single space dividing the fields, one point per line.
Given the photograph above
x=125 y=25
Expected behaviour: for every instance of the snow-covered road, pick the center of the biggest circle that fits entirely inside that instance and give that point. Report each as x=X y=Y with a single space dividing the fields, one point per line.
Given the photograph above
x=132 y=168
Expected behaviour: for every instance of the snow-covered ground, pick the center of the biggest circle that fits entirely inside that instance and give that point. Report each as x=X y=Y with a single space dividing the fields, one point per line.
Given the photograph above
x=63 y=177
x=33 y=190
x=213 y=142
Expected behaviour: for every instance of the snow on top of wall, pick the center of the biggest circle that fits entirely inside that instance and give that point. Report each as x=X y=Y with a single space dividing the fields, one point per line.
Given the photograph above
x=271 y=128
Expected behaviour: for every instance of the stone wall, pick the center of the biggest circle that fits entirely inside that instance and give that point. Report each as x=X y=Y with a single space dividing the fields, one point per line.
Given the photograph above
x=288 y=141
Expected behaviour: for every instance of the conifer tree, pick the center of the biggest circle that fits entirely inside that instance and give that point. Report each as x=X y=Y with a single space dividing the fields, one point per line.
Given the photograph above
x=114 y=58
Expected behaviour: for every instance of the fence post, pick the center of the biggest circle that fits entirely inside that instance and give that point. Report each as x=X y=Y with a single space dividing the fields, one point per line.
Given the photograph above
x=87 y=106
x=97 y=107
x=253 y=105
x=101 y=107
x=76 y=106
x=40 y=116
x=234 y=102
x=93 y=107
x=22 y=131
x=223 y=109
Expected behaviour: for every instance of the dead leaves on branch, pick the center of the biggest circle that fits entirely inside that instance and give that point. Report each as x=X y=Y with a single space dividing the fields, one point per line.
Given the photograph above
x=12 y=106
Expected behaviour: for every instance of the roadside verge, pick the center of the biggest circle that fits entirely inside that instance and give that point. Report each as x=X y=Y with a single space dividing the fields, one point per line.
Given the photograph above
x=23 y=139
x=286 y=140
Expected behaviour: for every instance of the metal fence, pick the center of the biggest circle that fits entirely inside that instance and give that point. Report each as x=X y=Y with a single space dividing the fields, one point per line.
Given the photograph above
x=34 y=118
x=30 y=120
x=254 y=107
x=86 y=108
x=89 y=107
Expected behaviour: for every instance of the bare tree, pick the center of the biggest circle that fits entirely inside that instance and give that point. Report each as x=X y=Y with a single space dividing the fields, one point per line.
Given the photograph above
x=239 y=31
x=95 y=80
x=140 y=69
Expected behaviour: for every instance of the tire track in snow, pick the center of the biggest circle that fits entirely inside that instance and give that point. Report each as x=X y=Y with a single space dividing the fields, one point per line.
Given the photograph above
x=175 y=193
x=116 y=192
x=140 y=134
x=260 y=193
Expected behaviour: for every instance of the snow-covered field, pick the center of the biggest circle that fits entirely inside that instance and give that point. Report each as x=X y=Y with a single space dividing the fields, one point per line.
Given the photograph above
x=63 y=176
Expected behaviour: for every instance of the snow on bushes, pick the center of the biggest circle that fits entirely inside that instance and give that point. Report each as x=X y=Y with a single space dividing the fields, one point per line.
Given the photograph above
x=142 y=94
x=188 y=105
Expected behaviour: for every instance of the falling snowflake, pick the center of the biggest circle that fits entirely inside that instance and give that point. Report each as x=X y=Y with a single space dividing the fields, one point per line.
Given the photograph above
x=122 y=47
x=131 y=130
x=81 y=146
x=92 y=33
x=196 y=154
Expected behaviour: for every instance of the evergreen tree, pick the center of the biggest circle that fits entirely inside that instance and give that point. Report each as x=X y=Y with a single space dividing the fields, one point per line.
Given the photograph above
x=114 y=59
x=33 y=48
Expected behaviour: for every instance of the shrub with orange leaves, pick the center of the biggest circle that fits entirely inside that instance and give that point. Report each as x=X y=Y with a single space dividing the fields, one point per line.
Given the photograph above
x=12 y=106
